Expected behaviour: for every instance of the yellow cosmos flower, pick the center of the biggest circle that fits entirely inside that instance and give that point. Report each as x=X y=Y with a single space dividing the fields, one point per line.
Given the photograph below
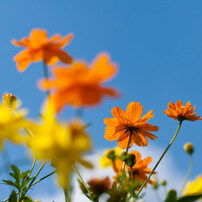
x=194 y=187
x=60 y=143
x=12 y=124
x=105 y=160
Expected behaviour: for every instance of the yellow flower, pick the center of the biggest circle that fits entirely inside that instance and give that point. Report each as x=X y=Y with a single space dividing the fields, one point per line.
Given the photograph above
x=60 y=143
x=11 y=124
x=194 y=187
x=105 y=160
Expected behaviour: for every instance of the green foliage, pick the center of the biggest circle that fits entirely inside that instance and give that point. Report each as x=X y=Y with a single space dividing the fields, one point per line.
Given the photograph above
x=20 y=182
x=171 y=196
x=13 y=197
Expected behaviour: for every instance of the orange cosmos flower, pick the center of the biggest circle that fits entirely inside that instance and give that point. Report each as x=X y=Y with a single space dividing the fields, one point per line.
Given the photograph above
x=79 y=85
x=129 y=123
x=180 y=112
x=38 y=47
x=140 y=169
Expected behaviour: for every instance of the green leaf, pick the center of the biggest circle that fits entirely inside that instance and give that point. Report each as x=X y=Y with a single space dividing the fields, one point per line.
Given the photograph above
x=189 y=198
x=171 y=196
x=9 y=182
x=13 y=197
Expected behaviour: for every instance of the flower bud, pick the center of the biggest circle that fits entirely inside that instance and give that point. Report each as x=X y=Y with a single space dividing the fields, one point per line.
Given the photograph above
x=188 y=147
x=131 y=160
x=111 y=155
x=155 y=184
x=163 y=183
x=124 y=155
x=9 y=100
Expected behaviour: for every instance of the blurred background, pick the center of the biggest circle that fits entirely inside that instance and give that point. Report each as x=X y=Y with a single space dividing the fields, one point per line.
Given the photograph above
x=157 y=45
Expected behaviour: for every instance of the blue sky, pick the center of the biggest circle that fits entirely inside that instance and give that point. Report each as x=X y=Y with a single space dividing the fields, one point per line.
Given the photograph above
x=157 y=44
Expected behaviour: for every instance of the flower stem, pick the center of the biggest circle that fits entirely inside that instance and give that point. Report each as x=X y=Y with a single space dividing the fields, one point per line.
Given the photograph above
x=81 y=178
x=30 y=172
x=188 y=173
x=23 y=194
x=131 y=132
x=45 y=70
x=180 y=123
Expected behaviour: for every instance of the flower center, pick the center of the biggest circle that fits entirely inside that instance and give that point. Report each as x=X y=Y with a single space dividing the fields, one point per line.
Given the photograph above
x=131 y=129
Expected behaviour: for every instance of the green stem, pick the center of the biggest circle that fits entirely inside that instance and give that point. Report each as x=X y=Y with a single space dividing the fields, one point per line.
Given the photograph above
x=23 y=194
x=81 y=178
x=45 y=70
x=188 y=173
x=43 y=178
x=180 y=123
x=131 y=132
x=30 y=172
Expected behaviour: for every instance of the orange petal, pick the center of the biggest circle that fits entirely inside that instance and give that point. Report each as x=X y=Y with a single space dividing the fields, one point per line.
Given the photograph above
x=134 y=111
x=38 y=37
x=102 y=69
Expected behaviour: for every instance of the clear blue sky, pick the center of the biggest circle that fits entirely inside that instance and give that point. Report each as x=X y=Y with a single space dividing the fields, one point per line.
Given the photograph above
x=157 y=44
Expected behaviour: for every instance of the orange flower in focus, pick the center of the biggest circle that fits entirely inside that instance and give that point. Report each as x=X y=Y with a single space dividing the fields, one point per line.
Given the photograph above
x=79 y=85
x=140 y=169
x=38 y=47
x=99 y=186
x=129 y=123
x=180 y=112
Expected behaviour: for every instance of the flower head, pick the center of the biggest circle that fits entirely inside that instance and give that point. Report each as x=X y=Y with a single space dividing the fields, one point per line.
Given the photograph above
x=126 y=124
x=189 y=148
x=62 y=144
x=194 y=187
x=99 y=186
x=12 y=124
x=79 y=85
x=139 y=170
x=106 y=160
x=38 y=47
x=180 y=112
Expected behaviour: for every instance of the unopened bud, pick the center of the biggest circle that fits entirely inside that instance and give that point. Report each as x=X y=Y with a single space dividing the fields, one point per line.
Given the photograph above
x=9 y=100
x=188 y=147
x=111 y=155
x=155 y=182
x=124 y=156
x=163 y=183
x=82 y=187
x=131 y=160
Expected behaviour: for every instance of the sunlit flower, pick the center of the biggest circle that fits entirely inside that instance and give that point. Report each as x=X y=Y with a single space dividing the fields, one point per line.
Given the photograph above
x=194 y=187
x=38 y=47
x=12 y=124
x=180 y=112
x=62 y=144
x=99 y=186
x=106 y=159
x=129 y=123
x=79 y=85
x=139 y=170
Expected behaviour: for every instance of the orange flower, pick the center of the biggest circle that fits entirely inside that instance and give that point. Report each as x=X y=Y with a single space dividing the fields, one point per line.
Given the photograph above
x=140 y=169
x=99 y=186
x=79 y=85
x=129 y=123
x=39 y=47
x=180 y=112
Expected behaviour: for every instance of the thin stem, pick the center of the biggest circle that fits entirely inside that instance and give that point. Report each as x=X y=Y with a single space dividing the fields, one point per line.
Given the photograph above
x=180 y=123
x=45 y=70
x=30 y=172
x=43 y=178
x=81 y=178
x=188 y=173
x=131 y=132
x=32 y=181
